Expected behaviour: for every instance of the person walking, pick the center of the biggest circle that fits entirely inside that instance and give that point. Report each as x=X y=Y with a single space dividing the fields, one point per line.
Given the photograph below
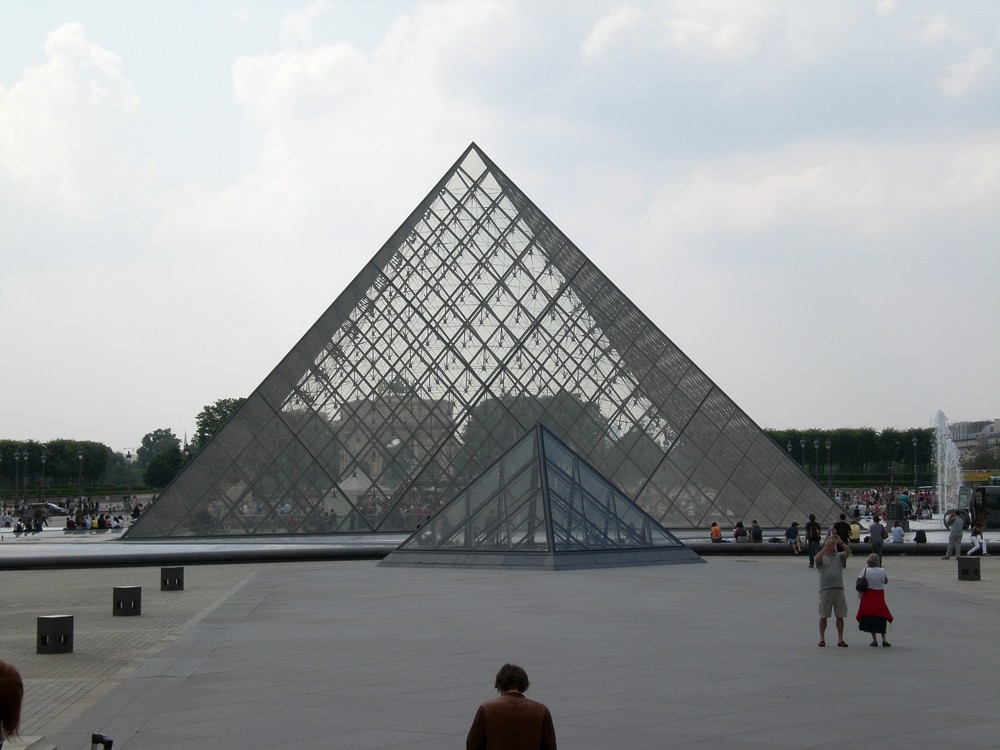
x=955 y=528
x=873 y=614
x=11 y=695
x=831 y=564
x=979 y=543
x=814 y=536
x=512 y=721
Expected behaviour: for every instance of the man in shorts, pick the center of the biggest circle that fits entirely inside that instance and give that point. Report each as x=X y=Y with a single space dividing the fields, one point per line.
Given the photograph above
x=831 y=564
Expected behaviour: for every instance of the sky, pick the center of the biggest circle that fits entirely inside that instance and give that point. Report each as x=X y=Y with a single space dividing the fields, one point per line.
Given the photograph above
x=804 y=196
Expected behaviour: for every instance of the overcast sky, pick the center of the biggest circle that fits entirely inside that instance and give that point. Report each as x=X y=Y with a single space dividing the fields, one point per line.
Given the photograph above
x=804 y=196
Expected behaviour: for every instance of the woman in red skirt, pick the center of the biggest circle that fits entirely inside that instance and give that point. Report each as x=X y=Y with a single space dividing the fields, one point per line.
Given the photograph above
x=873 y=614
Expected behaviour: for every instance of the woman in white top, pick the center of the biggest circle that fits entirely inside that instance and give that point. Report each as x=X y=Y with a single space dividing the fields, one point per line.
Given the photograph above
x=873 y=614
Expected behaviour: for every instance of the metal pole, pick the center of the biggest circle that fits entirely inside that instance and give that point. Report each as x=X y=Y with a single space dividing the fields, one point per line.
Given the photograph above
x=17 y=465
x=24 y=479
x=829 y=469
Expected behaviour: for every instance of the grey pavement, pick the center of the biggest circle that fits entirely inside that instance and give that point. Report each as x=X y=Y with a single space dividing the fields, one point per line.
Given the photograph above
x=345 y=654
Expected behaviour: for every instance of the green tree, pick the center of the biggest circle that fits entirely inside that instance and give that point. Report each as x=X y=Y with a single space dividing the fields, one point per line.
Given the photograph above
x=210 y=420
x=982 y=457
x=163 y=467
x=153 y=444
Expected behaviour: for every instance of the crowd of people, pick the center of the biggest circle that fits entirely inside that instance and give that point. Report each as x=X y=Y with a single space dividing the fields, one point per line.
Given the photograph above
x=80 y=513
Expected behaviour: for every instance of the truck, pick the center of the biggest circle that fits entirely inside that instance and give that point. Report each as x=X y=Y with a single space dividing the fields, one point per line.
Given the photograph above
x=982 y=502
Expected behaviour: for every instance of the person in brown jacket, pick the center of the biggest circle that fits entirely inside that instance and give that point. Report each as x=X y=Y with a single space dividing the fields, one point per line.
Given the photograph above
x=512 y=722
x=11 y=694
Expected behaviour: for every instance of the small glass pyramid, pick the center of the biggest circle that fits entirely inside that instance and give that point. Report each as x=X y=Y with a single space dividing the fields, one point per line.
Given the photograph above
x=541 y=505
x=475 y=320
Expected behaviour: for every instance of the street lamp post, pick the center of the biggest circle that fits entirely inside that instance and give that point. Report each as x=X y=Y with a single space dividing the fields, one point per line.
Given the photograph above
x=802 y=444
x=17 y=465
x=24 y=478
x=41 y=484
x=128 y=474
x=816 y=445
x=79 y=476
x=789 y=448
x=915 y=441
x=829 y=469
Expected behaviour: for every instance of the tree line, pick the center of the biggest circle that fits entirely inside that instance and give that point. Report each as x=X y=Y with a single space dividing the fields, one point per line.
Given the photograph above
x=27 y=466
x=858 y=450
x=161 y=455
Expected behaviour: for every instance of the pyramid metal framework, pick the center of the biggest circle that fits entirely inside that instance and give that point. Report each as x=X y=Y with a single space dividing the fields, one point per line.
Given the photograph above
x=541 y=505
x=475 y=320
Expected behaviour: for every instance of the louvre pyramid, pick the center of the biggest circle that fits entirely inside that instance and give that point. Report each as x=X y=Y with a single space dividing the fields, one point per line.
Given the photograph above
x=541 y=505
x=475 y=320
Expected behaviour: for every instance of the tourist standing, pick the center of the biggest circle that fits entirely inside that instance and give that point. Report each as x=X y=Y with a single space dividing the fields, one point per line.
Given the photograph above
x=831 y=564
x=813 y=538
x=873 y=614
x=843 y=530
x=955 y=529
x=877 y=535
x=512 y=721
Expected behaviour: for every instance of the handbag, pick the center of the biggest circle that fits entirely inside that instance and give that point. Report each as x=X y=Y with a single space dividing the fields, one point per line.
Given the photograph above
x=861 y=584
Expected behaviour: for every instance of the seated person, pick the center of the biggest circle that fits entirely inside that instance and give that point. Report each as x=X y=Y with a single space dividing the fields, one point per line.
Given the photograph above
x=740 y=532
x=715 y=531
x=855 y=532
x=756 y=532
x=896 y=535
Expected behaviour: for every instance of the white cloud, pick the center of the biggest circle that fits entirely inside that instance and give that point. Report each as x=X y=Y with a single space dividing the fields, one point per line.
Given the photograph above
x=726 y=30
x=64 y=127
x=900 y=190
x=934 y=27
x=886 y=7
x=968 y=72
x=606 y=32
x=297 y=27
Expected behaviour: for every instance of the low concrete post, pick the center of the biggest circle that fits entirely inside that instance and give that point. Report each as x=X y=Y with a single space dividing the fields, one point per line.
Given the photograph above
x=55 y=634
x=171 y=579
x=127 y=601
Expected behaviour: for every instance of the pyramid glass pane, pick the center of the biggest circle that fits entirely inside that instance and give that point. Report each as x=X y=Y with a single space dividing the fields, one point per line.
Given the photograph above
x=475 y=320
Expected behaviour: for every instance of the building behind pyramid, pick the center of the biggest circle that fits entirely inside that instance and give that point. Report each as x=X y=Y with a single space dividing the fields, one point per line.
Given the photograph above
x=476 y=319
x=541 y=505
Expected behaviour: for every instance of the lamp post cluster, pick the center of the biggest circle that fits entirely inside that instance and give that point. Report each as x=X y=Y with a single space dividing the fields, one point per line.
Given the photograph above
x=21 y=479
x=18 y=457
x=816 y=467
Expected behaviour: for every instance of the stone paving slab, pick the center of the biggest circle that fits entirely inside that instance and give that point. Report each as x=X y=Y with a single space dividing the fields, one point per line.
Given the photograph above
x=349 y=655
x=107 y=649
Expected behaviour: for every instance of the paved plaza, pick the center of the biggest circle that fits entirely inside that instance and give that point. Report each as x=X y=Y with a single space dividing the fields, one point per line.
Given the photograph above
x=345 y=654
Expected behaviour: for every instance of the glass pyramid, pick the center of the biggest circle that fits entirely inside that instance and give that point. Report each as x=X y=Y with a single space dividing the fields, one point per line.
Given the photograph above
x=475 y=320
x=541 y=504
